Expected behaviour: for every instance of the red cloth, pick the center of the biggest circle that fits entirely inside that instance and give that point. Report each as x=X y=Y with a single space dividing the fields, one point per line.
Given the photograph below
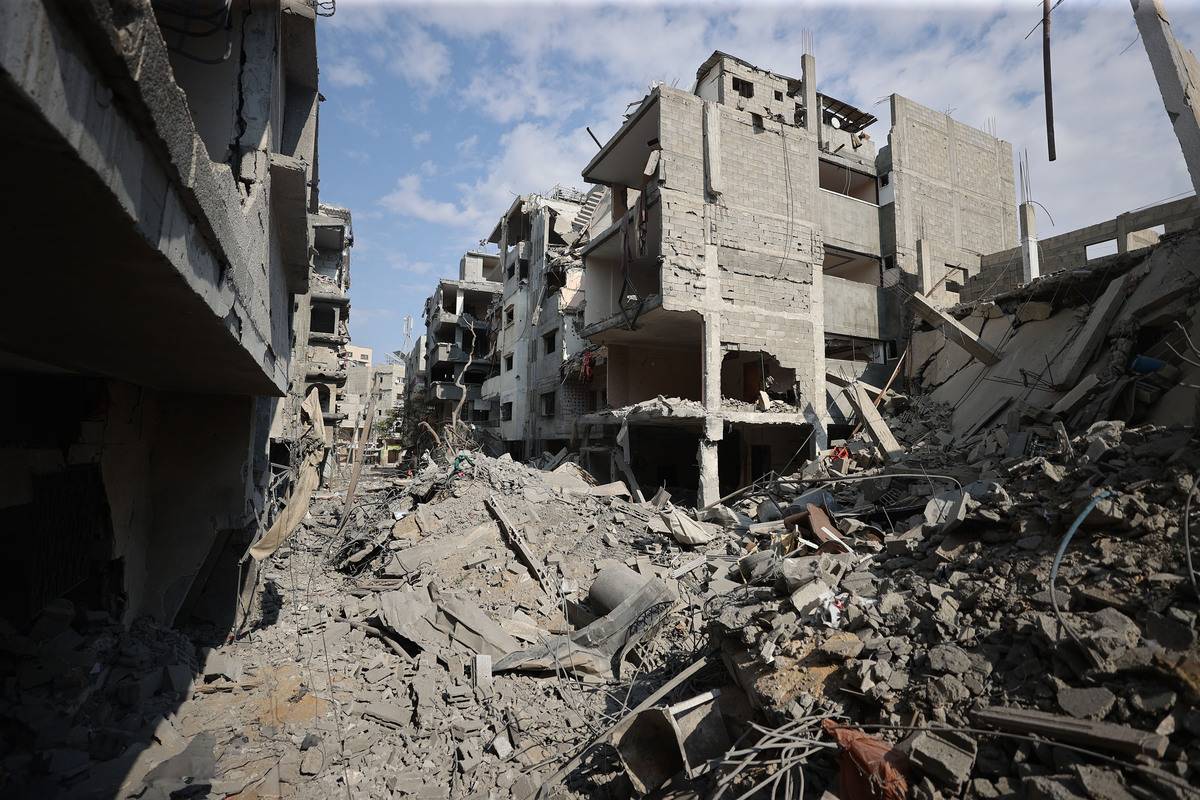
x=870 y=768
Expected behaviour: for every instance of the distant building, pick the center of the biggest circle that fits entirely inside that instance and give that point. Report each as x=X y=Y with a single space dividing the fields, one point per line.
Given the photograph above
x=537 y=321
x=458 y=340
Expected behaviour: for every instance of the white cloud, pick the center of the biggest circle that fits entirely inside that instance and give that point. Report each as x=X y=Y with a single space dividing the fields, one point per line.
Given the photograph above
x=420 y=59
x=408 y=200
x=532 y=158
x=421 y=137
x=404 y=264
x=347 y=73
x=429 y=168
x=467 y=146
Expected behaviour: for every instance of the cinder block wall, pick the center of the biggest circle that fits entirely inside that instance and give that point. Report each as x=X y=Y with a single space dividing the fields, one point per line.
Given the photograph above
x=768 y=247
x=953 y=187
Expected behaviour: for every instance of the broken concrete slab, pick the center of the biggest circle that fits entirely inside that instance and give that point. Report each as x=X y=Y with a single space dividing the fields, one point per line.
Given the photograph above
x=878 y=430
x=1100 y=735
x=1082 y=348
x=954 y=330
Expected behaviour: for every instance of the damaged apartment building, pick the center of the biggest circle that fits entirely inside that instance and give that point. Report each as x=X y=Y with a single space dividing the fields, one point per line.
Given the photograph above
x=456 y=349
x=321 y=332
x=752 y=243
x=532 y=402
x=163 y=160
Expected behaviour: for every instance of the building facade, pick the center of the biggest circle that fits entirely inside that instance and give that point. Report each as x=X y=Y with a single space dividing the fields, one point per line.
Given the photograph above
x=167 y=188
x=458 y=341
x=751 y=239
x=537 y=321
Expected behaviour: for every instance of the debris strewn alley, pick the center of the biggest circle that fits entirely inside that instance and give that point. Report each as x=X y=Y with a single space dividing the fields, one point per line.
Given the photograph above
x=774 y=464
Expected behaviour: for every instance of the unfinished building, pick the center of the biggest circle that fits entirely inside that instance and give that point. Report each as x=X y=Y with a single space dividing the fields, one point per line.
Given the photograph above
x=537 y=321
x=458 y=341
x=166 y=187
x=753 y=240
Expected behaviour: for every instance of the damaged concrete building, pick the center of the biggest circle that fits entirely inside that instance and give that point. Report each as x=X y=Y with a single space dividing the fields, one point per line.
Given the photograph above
x=458 y=341
x=320 y=328
x=167 y=187
x=750 y=241
x=536 y=321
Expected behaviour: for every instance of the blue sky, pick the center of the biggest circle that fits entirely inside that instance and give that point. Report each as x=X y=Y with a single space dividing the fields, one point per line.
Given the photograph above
x=436 y=116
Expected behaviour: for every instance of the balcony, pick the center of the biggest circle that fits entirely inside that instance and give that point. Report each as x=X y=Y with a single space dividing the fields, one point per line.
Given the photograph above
x=330 y=339
x=848 y=222
x=446 y=390
x=321 y=373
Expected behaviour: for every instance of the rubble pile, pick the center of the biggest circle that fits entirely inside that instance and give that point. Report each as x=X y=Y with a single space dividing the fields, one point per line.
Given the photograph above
x=932 y=627
x=978 y=592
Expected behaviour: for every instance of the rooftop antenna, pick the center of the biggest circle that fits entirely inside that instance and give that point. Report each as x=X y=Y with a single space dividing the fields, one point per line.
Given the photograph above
x=408 y=322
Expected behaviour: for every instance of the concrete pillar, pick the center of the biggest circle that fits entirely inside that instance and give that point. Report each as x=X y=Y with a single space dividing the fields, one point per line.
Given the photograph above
x=458 y=301
x=710 y=482
x=1031 y=266
x=925 y=270
x=1173 y=65
x=812 y=117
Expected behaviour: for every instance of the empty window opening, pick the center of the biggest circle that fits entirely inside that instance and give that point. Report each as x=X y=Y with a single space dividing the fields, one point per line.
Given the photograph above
x=483 y=344
x=506 y=411
x=323 y=397
x=778 y=95
x=511 y=271
x=322 y=319
x=757 y=121
x=449 y=301
x=510 y=314
x=851 y=266
x=524 y=265
x=955 y=278
x=1101 y=249
x=744 y=88
x=547 y=404
x=745 y=374
x=843 y=180
x=550 y=341
x=853 y=348
x=508 y=363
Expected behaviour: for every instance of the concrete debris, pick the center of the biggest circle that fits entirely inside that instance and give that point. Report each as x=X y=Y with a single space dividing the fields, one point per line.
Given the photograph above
x=582 y=560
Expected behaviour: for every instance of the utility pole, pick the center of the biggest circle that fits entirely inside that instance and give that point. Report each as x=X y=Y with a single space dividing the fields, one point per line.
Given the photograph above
x=1046 y=76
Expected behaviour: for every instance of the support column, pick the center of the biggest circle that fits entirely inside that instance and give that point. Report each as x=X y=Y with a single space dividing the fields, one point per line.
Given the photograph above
x=808 y=80
x=710 y=482
x=925 y=267
x=1029 y=243
x=710 y=371
x=1174 y=66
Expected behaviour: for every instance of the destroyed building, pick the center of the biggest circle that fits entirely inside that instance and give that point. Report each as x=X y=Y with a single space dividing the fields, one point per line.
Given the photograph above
x=536 y=321
x=320 y=326
x=753 y=240
x=458 y=341
x=167 y=182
